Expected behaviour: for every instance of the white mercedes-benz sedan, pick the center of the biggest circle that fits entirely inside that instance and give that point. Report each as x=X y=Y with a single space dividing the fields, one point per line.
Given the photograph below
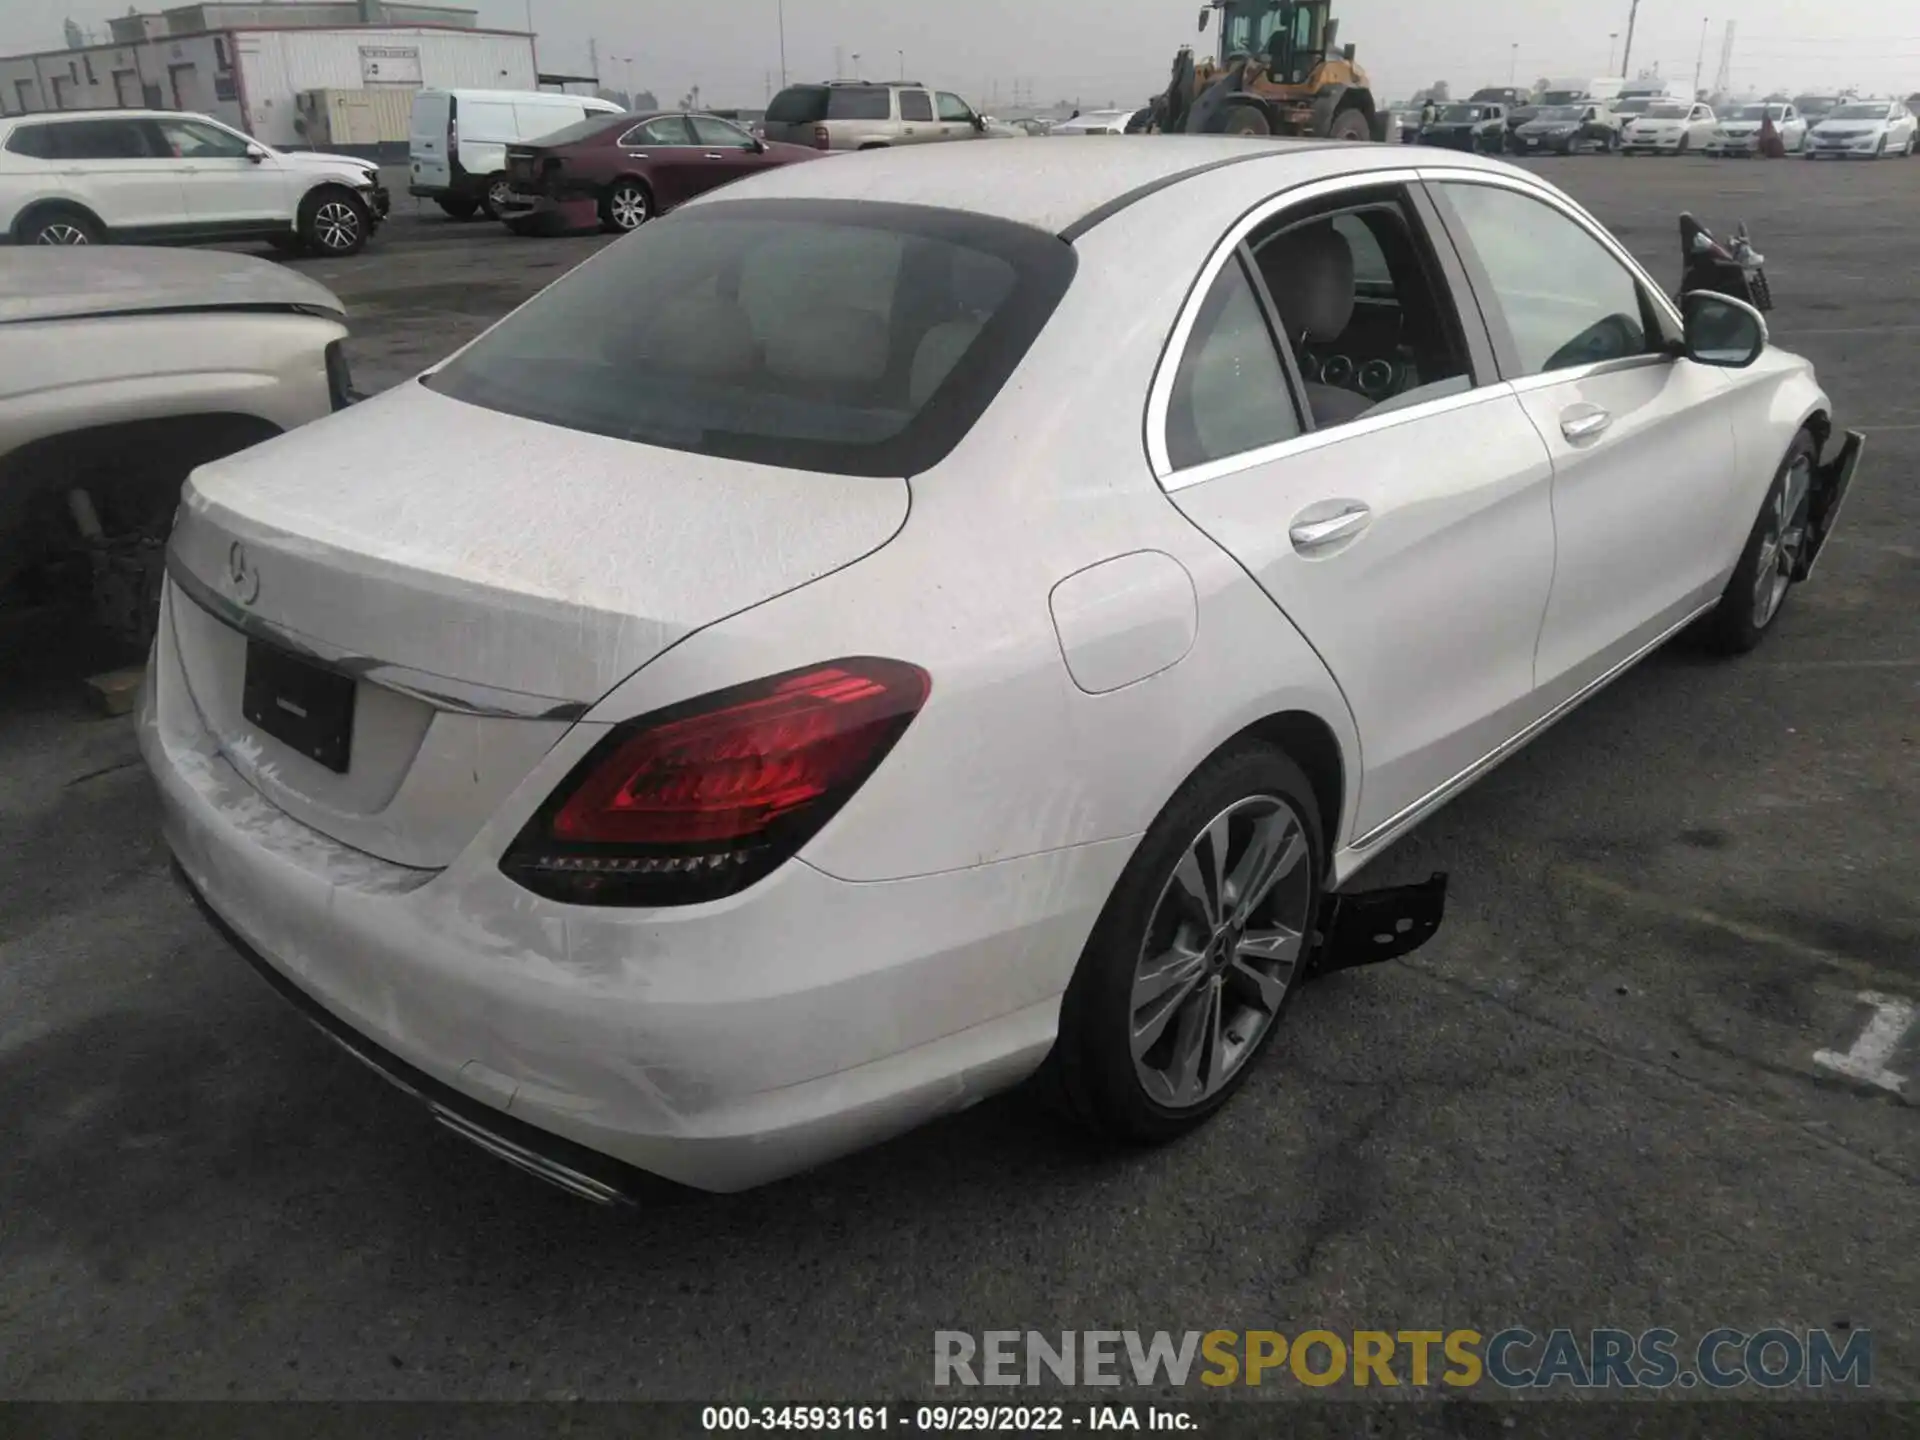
x=897 y=626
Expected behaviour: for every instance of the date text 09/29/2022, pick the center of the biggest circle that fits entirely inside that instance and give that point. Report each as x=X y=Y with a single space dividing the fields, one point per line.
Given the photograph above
x=946 y=1419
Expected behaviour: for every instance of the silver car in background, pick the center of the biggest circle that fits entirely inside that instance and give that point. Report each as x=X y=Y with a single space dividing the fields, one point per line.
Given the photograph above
x=858 y=115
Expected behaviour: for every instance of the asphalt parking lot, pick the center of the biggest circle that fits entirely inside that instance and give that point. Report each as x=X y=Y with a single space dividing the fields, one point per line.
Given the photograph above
x=1593 y=1100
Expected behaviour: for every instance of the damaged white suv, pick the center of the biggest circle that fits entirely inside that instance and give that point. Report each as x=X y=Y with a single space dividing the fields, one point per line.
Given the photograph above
x=122 y=370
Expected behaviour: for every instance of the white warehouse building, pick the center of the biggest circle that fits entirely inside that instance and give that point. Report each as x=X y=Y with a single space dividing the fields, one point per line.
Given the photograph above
x=338 y=74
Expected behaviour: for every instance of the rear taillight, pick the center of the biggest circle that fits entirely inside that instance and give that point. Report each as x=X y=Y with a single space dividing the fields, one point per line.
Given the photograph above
x=702 y=800
x=822 y=140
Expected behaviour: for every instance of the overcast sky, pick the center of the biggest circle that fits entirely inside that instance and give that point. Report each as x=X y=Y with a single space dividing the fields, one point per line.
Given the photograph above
x=1099 y=50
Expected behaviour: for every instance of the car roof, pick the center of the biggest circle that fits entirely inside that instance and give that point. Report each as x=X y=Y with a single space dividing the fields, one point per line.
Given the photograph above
x=69 y=282
x=68 y=116
x=1056 y=187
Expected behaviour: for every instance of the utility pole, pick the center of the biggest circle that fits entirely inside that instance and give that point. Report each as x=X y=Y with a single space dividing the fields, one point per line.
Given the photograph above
x=1700 y=63
x=1613 y=49
x=903 y=65
x=782 y=4
x=1513 y=65
x=1626 y=56
x=593 y=58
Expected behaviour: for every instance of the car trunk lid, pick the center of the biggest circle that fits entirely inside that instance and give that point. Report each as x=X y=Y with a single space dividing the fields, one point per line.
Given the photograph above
x=484 y=579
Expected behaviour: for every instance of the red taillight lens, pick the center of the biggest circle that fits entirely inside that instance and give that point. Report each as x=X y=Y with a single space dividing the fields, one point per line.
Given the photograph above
x=821 y=139
x=700 y=801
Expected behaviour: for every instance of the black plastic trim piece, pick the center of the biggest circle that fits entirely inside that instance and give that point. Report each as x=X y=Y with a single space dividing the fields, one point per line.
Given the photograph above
x=558 y=1161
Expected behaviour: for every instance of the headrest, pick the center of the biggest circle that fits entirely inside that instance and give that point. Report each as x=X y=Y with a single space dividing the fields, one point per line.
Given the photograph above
x=1310 y=272
x=831 y=345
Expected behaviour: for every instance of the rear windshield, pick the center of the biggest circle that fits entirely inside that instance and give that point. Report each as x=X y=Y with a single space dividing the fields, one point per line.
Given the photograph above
x=844 y=337
x=859 y=102
x=582 y=129
x=801 y=105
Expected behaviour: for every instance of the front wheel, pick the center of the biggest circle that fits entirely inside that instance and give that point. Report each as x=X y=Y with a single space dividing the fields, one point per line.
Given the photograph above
x=1197 y=953
x=627 y=207
x=1246 y=120
x=1758 y=590
x=334 y=223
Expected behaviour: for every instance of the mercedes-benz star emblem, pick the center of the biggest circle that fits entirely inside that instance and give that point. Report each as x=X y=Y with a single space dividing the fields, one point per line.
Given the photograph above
x=246 y=579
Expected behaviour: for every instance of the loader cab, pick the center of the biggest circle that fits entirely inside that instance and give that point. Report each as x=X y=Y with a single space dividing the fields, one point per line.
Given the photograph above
x=1290 y=35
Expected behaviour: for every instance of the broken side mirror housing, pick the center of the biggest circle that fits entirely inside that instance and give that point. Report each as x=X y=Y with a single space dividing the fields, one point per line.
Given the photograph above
x=1721 y=331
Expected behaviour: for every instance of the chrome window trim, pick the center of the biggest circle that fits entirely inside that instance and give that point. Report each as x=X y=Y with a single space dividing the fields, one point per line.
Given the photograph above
x=1450 y=175
x=1160 y=393
x=1318 y=439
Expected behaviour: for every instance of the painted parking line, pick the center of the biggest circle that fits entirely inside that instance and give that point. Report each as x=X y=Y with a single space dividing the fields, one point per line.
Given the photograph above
x=1861 y=971
x=1868 y=1060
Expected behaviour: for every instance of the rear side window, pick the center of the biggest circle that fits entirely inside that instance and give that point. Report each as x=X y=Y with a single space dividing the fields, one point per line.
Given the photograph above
x=799 y=105
x=859 y=102
x=916 y=105
x=1231 y=394
x=836 y=336
x=32 y=141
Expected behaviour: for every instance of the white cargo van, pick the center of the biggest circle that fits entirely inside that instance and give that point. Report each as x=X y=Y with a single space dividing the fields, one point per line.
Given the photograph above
x=459 y=139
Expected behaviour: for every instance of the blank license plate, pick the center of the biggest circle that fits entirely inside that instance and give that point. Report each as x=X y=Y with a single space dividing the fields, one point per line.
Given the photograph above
x=300 y=703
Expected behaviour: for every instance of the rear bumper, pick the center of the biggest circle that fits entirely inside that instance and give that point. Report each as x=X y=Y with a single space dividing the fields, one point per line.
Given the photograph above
x=719 y=1046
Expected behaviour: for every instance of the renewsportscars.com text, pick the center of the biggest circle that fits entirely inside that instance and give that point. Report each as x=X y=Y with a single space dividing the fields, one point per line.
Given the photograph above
x=1513 y=1359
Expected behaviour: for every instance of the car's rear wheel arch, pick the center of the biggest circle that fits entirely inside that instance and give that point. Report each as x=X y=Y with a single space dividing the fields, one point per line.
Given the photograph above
x=1310 y=743
x=34 y=216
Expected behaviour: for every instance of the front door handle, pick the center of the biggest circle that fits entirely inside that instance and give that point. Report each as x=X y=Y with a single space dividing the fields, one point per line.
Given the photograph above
x=712 y=156
x=1318 y=534
x=1584 y=422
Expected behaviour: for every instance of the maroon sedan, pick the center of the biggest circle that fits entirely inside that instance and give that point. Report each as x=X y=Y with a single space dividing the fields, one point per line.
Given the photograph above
x=622 y=170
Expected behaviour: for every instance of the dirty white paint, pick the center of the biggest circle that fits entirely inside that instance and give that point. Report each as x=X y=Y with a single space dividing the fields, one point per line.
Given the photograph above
x=1868 y=1058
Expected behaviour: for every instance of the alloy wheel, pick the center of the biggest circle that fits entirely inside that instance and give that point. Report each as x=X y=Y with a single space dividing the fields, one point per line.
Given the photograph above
x=499 y=195
x=628 y=207
x=336 y=226
x=1222 y=950
x=1781 y=546
x=62 y=232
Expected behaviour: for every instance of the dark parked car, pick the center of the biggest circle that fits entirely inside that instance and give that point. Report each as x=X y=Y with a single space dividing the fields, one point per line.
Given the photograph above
x=1467 y=126
x=626 y=169
x=1506 y=95
x=1565 y=130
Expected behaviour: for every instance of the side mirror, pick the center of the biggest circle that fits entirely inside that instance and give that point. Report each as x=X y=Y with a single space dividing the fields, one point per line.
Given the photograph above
x=256 y=154
x=1721 y=331
x=980 y=124
x=757 y=145
x=1205 y=16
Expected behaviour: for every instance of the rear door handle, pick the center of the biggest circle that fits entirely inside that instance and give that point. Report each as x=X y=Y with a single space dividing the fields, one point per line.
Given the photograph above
x=1584 y=422
x=1318 y=534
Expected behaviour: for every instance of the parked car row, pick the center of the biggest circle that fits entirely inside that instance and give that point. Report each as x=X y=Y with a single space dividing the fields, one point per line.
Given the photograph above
x=1662 y=125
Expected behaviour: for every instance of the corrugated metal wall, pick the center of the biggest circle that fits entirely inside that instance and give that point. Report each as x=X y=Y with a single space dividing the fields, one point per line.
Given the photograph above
x=277 y=65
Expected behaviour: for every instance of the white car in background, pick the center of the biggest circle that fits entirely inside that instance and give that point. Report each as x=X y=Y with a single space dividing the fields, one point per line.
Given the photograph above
x=91 y=177
x=847 y=717
x=1095 y=122
x=1738 y=131
x=1864 y=130
x=1668 y=128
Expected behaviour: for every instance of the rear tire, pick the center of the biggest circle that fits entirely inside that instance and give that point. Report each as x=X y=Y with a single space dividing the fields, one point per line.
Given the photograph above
x=1758 y=591
x=1350 y=125
x=463 y=208
x=628 y=206
x=61 y=225
x=335 y=223
x=1211 y=976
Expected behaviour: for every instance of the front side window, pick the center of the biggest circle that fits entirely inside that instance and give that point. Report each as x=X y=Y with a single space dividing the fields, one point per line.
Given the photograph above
x=1565 y=300
x=1230 y=395
x=916 y=105
x=194 y=140
x=711 y=130
x=954 y=110
x=859 y=102
x=845 y=337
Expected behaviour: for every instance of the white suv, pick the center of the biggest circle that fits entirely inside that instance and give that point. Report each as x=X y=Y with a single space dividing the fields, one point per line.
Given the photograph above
x=161 y=177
